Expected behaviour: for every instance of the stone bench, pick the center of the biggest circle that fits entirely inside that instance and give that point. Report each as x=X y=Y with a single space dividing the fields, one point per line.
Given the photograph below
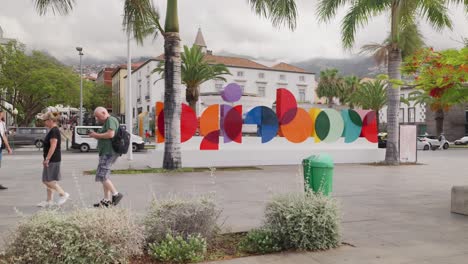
x=460 y=200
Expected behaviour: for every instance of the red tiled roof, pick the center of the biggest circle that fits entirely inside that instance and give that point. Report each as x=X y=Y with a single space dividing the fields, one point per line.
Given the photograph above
x=246 y=63
x=124 y=66
x=288 y=67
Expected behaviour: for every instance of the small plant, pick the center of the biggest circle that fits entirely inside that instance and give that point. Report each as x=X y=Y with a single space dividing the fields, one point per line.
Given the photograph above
x=260 y=241
x=82 y=236
x=305 y=221
x=179 y=217
x=179 y=250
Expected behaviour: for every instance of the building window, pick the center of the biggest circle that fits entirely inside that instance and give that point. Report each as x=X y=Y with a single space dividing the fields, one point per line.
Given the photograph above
x=261 y=75
x=411 y=115
x=148 y=87
x=242 y=86
x=282 y=77
x=302 y=95
x=302 y=78
x=147 y=108
x=240 y=74
x=139 y=110
x=139 y=91
x=401 y=115
x=133 y=114
x=261 y=90
x=219 y=86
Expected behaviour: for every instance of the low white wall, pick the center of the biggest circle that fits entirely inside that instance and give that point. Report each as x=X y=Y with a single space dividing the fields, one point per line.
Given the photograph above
x=279 y=151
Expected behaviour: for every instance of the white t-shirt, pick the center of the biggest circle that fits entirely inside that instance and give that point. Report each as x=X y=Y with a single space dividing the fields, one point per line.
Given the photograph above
x=2 y=130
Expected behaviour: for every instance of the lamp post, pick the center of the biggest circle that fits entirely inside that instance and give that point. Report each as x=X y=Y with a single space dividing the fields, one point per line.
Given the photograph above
x=15 y=114
x=80 y=53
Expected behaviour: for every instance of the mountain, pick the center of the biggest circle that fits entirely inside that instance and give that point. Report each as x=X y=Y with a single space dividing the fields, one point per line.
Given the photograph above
x=359 y=66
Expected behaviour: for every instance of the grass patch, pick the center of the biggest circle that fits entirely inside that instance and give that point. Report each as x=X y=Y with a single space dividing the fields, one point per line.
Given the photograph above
x=181 y=170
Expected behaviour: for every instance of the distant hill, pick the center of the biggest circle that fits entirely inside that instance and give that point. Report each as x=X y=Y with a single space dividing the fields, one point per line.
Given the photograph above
x=359 y=66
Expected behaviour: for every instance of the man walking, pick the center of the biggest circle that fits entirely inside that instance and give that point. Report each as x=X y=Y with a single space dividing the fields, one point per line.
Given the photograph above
x=107 y=156
x=3 y=141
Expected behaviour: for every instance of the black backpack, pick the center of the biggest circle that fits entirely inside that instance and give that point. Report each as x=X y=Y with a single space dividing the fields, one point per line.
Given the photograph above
x=121 y=141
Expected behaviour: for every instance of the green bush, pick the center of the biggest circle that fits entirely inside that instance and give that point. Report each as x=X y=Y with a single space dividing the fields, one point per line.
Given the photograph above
x=304 y=221
x=178 y=249
x=179 y=217
x=260 y=241
x=81 y=236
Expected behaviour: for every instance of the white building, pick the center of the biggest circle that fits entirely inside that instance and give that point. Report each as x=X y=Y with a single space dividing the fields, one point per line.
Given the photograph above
x=258 y=82
x=408 y=114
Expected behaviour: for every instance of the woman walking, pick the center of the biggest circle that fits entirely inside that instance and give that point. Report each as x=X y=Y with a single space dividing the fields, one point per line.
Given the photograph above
x=52 y=159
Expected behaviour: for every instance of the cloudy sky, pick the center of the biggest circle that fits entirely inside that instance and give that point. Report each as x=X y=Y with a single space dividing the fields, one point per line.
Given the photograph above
x=228 y=26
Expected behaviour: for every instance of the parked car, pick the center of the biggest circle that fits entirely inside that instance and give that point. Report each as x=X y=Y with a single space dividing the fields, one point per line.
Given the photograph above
x=434 y=141
x=85 y=143
x=461 y=141
x=27 y=136
x=422 y=144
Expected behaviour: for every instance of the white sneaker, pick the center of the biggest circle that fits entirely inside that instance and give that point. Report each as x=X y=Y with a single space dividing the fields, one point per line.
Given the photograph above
x=62 y=199
x=45 y=204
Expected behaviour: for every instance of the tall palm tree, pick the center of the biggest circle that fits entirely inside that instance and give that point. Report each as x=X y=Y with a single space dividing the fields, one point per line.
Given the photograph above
x=195 y=71
x=402 y=13
x=141 y=19
x=328 y=85
x=371 y=95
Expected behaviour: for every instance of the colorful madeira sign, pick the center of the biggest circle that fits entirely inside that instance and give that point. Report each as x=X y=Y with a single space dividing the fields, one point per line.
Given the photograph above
x=289 y=121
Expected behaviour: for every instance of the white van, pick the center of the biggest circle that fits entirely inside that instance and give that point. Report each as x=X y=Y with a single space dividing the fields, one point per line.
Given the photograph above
x=83 y=142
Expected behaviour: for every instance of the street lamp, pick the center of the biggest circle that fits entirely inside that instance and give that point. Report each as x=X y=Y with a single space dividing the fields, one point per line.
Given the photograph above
x=80 y=53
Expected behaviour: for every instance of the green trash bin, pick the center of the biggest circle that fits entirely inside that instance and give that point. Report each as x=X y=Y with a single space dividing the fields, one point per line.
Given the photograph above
x=318 y=173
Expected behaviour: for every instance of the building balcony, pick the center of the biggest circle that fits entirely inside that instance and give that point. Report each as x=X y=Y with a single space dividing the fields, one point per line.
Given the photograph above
x=147 y=97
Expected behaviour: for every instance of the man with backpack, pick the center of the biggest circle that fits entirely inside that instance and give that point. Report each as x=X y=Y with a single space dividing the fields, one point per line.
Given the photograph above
x=107 y=156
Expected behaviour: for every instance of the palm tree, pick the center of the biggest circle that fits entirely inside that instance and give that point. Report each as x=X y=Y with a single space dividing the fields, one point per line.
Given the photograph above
x=141 y=18
x=402 y=14
x=195 y=71
x=346 y=89
x=371 y=95
x=328 y=85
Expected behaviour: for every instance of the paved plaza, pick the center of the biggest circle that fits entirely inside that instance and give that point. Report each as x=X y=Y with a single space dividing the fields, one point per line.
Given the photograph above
x=390 y=214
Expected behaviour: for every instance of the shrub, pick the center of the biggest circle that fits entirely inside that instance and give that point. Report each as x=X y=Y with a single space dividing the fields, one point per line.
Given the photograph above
x=305 y=221
x=260 y=241
x=82 y=236
x=178 y=249
x=179 y=217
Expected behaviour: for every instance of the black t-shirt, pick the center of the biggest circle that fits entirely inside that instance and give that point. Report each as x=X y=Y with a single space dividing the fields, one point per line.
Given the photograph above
x=53 y=133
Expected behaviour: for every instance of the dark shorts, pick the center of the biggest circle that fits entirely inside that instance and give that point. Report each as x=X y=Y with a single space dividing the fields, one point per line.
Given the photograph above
x=51 y=173
x=104 y=167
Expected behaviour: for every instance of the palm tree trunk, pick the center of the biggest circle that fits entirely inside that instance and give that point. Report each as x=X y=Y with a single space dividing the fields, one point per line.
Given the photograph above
x=192 y=95
x=330 y=102
x=377 y=119
x=392 y=156
x=439 y=118
x=172 y=101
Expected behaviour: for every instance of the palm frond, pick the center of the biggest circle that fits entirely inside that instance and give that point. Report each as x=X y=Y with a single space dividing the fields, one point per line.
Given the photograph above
x=436 y=13
x=62 y=7
x=359 y=16
x=327 y=9
x=141 y=19
x=279 y=12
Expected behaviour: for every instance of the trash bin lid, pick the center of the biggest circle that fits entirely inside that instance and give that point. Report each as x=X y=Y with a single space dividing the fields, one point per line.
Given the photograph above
x=321 y=161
